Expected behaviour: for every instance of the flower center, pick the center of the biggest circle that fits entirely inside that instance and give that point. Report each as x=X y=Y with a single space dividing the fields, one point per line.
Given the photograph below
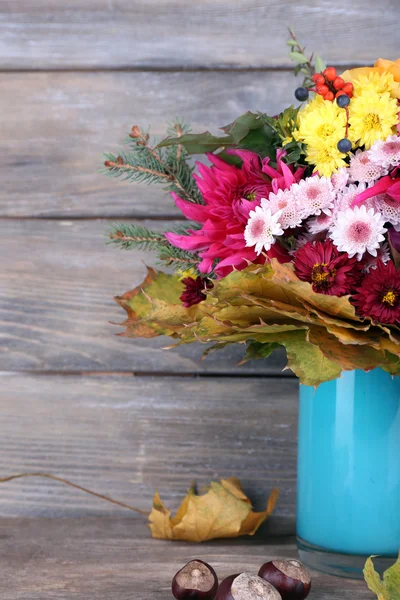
x=389 y=298
x=321 y=276
x=251 y=196
x=391 y=147
x=372 y=121
x=313 y=193
x=257 y=227
x=325 y=130
x=360 y=231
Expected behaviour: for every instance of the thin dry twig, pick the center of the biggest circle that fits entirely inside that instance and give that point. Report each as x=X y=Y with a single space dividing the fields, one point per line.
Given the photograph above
x=76 y=486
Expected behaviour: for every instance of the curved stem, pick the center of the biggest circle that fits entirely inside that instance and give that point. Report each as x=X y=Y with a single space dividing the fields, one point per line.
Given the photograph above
x=76 y=486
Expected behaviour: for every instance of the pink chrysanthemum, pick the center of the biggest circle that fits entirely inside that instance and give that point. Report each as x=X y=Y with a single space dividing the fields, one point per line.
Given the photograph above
x=321 y=223
x=362 y=169
x=285 y=202
x=262 y=228
x=386 y=153
x=379 y=294
x=357 y=231
x=328 y=270
x=340 y=178
x=229 y=194
x=314 y=195
x=388 y=207
x=346 y=197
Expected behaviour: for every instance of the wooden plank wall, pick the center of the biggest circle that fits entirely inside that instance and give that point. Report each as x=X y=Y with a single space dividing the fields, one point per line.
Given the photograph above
x=74 y=77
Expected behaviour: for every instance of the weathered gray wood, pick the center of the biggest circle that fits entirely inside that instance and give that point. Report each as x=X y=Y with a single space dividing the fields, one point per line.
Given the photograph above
x=57 y=283
x=177 y=33
x=99 y=559
x=126 y=437
x=55 y=127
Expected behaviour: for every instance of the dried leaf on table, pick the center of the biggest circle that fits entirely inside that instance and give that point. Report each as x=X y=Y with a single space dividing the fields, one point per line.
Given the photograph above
x=389 y=587
x=224 y=511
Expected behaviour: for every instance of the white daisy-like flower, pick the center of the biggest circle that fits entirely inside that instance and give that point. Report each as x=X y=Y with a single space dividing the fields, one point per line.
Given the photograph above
x=284 y=201
x=383 y=254
x=340 y=179
x=346 y=197
x=363 y=170
x=388 y=207
x=320 y=223
x=262 y=228
x=314 y=195
x=386 y=153
x=358 y=230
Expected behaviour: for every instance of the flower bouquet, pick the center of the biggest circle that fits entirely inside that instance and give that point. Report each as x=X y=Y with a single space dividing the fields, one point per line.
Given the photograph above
x=292 y=239
x=293 y=228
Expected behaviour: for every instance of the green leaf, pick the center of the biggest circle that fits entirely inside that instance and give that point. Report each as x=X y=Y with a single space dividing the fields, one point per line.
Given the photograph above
x=391 y=578
x=241 y=127
x=198 y=143
x=389 y=588
x=320 y=64
x=292 y=43
x=231 y=159
x=258 y=350
x=251 y=132
x=298 y=57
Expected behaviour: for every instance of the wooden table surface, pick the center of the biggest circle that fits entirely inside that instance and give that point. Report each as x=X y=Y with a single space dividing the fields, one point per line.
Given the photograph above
x=119 y=416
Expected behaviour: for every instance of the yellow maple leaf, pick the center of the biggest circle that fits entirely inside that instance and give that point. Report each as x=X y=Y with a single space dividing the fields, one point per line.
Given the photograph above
x=224 y=511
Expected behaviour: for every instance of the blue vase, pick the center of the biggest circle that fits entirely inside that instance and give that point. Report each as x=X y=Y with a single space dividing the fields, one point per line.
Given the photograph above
x=348 y=491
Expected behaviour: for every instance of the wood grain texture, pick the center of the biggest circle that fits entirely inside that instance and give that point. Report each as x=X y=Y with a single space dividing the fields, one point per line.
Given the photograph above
x=57 y=283
x=103 y=558
x=176 y=33
x=55 y=127
x=126 y=437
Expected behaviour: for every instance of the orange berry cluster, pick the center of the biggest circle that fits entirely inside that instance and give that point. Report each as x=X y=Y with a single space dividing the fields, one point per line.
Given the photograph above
x=330 y=86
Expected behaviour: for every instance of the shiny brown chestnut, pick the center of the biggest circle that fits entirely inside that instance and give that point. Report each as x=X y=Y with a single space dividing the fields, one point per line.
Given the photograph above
x=246 y=587
x=289 y=577
x=195 y=581
x=225 y=588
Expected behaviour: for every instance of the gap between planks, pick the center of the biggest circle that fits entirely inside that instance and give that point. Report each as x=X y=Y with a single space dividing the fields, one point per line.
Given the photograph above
x=169 y=69
x=144 y=374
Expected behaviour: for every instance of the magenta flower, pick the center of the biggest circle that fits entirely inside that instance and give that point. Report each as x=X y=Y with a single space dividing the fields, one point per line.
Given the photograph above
x=385 y=185
x=229 y=194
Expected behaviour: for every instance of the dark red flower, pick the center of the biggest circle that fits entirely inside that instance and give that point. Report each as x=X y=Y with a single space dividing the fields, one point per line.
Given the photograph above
x=194 y=290
x=328 y=270
x=379 y=294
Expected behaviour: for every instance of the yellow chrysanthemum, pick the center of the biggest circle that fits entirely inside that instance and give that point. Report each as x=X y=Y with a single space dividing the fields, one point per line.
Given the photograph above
x=321 y=125
x=326 y=158
x=381 y=67
x=373 y=117
x=374 y=82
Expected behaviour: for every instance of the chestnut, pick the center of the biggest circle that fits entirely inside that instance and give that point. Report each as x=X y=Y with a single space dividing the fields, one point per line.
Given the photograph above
x=246 y=587
x=225 y=587
x=289 y=577
x=196 y=581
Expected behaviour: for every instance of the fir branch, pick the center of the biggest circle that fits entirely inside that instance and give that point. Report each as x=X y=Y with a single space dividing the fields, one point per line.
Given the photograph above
x=147 y=164
x=138 y=166
x=135 y=237
x=177 y=258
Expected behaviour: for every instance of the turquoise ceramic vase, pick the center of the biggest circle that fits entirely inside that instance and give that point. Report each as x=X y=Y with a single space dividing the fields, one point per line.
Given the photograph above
x=348 y=492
